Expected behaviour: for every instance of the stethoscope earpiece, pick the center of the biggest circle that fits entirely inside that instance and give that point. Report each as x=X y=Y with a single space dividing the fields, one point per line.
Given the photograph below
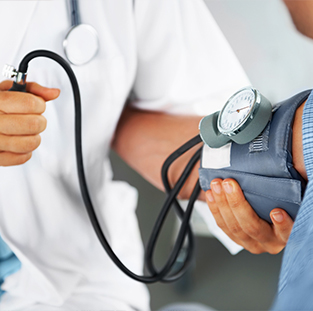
x=81 y=43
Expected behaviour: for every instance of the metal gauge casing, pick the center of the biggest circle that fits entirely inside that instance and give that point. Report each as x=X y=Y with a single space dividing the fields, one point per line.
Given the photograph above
x=238 y=111
x=242 y=119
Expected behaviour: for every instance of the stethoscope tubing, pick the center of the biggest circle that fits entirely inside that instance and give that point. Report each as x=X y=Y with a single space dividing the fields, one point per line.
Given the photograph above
x=166 y=274
x=75 y=14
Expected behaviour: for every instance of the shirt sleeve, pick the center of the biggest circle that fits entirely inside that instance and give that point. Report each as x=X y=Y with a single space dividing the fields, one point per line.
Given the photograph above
x=185 y=65
x=295 y=279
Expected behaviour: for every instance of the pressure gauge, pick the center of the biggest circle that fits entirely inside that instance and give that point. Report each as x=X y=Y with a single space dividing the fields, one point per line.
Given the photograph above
x=243 y=118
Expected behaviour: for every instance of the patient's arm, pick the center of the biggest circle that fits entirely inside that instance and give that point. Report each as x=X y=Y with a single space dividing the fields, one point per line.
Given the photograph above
x=301 y=12
x=297 y=148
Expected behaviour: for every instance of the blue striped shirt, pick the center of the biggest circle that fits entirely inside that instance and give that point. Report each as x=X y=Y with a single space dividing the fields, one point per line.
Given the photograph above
x=295 y=290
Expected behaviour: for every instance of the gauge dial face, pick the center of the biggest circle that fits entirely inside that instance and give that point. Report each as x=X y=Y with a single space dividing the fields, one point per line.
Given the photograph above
x=236 y=111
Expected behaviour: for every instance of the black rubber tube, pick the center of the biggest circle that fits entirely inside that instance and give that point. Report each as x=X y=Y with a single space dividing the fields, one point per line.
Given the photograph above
x=164 y=273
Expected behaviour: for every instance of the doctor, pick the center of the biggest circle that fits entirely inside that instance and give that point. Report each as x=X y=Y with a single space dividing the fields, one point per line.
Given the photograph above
x=175 y=60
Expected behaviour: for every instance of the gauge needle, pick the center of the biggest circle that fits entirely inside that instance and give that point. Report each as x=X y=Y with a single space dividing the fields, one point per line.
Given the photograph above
x=238 y=110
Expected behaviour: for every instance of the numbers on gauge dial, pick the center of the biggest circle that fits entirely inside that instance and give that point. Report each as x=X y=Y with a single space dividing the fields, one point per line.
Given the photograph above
x=236 y=111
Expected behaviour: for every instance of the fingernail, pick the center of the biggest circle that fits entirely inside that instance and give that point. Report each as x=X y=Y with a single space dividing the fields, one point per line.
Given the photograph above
x=278 y=216
x=209 y=196
x=228 y=187
x=217 y=187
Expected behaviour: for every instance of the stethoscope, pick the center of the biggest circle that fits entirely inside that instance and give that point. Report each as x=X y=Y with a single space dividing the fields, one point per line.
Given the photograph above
x=81 y=43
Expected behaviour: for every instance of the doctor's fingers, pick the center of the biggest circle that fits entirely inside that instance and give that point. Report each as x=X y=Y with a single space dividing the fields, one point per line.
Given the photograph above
x=19 y=144
x=255 y=227
x=282 y=223
x=18 y=102
x=25 y=124
x=226 y=220
x=11 y=159
x=220 y=220
x=31 y=87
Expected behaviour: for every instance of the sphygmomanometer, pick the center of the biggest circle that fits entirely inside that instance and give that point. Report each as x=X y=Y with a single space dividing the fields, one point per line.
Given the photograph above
x=258 y=138
x=260 y=156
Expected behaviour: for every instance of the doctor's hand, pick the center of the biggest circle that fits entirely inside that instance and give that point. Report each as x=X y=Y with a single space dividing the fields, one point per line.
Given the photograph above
x=234 y=215
x=21 y=121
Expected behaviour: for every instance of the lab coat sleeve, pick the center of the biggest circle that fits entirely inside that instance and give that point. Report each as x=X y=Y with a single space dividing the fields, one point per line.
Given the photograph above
x=185 y=65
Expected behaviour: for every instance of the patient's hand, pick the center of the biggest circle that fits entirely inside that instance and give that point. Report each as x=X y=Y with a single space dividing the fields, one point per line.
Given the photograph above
x=235 y=216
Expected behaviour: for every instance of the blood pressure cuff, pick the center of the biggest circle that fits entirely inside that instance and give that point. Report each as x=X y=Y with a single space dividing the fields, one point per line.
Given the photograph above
x=263 y=167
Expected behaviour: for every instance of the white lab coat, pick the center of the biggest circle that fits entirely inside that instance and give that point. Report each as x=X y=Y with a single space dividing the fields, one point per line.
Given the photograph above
x=175 y=58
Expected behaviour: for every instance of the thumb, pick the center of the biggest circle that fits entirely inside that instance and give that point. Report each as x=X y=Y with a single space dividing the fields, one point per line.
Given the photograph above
x=42 y=91
x=282 y=223
x=34 y=88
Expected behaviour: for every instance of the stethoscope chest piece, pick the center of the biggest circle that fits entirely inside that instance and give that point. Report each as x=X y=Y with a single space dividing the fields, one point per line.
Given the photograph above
x=81 y=44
